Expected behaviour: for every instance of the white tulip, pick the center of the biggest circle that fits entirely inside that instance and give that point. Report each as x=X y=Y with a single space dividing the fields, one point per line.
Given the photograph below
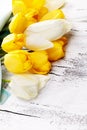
x=54 y=4
x=35 y=42
x=40 y=35
x=43 y=79
x=27 y=86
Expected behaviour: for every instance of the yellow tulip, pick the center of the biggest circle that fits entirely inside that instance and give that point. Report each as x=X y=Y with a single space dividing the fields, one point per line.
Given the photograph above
x=55 y=14
x=27 y=12
x=40 y=63
x=18 y=6
x=23 y=5
x=12 y=42
x=18 y=24
x=17 y=61
x=56 y=52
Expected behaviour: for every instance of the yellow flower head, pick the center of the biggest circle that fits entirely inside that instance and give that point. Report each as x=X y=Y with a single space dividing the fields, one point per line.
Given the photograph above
x=23 y=5
x=56 y=52
x=12 y=42
x=27 y=12
x=17 y=61
x=40 y=63
x=18 y=6
x=18 y=24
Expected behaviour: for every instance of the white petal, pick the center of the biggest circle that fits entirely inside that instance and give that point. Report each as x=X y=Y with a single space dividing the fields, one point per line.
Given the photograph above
x=5 y=12
x=49 y=29
x=54 y=4
x=36 y=43
x=27 y=86
x=43 y=79
x=24 y=86
x=40 y=26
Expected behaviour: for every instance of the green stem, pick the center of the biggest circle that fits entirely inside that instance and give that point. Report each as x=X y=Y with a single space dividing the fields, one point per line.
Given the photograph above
x=6 y=81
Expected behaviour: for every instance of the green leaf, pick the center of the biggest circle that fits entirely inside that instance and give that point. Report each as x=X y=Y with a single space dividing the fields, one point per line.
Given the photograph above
x=2 y=53
x=5 y=31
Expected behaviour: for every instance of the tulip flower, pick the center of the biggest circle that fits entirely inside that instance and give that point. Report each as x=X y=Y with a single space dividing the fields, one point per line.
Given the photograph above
x=40 y=63
x=13 y=42
x=17 y=61
x=23 y=5
x=27 y=86
x=39 y=36
x=18 y=24
x=56 y=52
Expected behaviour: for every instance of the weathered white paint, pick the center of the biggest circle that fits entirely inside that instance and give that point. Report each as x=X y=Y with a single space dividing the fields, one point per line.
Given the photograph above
x=63 y=100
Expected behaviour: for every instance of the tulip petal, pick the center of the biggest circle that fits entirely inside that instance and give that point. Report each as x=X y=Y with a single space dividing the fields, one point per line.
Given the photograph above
x=24 y=86
x=49 y=29
x=36 y=43
x=54 y=4
x=27 y=86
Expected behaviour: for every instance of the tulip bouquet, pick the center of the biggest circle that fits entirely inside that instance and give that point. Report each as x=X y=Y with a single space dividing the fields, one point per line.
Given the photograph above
x=37 y=38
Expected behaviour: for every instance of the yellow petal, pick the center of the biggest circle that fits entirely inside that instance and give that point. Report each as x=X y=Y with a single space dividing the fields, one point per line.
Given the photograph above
x=17 y=61
x=55 y=14
x=18 y=24
x=63 y=40
x=40 y=63
x=12 y=42
x=56 y=52
x=38 y=4
x=18 y=6
x=28 y=3
x=31 y=13
x=42 y=12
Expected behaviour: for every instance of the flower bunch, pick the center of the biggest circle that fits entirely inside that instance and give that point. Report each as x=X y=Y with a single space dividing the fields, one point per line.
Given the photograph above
x=37 y=36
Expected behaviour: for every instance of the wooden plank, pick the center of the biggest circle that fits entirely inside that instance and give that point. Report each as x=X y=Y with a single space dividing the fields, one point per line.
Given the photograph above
x=14 y=121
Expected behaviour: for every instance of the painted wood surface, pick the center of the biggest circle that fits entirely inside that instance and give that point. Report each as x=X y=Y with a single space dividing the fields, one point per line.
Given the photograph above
x=62 y=103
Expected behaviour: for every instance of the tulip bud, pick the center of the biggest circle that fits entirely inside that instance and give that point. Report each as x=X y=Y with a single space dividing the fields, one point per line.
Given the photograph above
x=17 y=61
x=27 y=86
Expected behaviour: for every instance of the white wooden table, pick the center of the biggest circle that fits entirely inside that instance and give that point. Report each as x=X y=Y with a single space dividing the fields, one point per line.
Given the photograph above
x=61 y=105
